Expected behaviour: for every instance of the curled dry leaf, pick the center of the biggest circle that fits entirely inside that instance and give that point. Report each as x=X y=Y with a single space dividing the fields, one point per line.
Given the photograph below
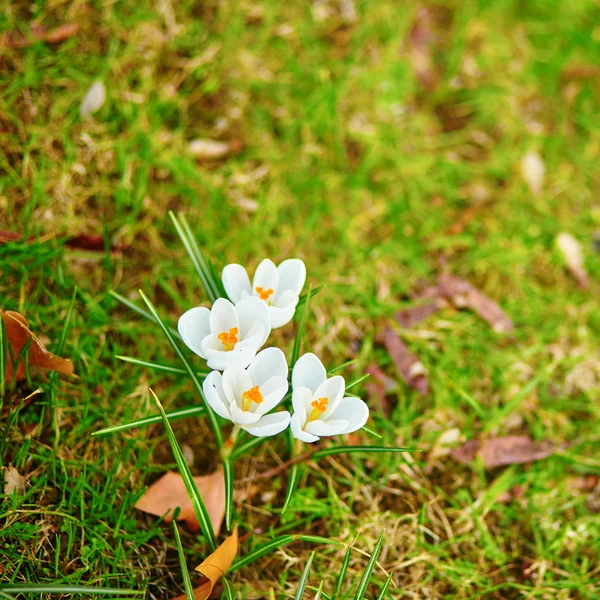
x=500 y=451
x=169 y=492
x=13 y=480
x=94 y=99
x=217 y=564
x=39 y=33
x=18 y=334
x=533 y=171
x=573 y=255
x=464 y=295
x=408 y=364
x=212 y=149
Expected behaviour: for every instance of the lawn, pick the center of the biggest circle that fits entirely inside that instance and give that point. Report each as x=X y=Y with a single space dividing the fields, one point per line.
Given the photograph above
x=384 y=143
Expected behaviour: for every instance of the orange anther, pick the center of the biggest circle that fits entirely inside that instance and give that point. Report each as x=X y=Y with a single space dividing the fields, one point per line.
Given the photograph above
x=264 y=294
x=250 y=396
x=229 y=340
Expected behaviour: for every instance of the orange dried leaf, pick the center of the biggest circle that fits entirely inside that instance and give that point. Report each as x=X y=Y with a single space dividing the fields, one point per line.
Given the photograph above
x=18 y=334
x=169 y=492
x=39 y=33
x=217 y=564
x=501 y=451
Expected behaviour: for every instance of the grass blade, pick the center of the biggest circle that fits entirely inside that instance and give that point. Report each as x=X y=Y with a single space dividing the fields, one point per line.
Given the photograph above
x=158 y=366
x=141 y=311
x=357 y=381
x=244 y=448
x=186 y=236
x=66 y=589
x=293 y=479
x=350 y=449
x=340 y=367
x=228 y=473
x=300 y=331
x=364 y=581
x=187 y=583
x=311 y=292
x=211 y=415
x=189 y=411
x=386 y=585
x=342 y=576
x=3 y=357
x=320 y=593
x=188 y=480
x=304 y=578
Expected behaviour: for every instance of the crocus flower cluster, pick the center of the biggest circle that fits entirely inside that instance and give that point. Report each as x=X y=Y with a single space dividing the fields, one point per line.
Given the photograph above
x=246 y=383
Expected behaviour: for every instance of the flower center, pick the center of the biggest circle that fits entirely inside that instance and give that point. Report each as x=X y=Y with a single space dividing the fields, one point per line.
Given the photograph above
x=263 y=293
x=319 y=407
x=250 y=396
x=229 y=340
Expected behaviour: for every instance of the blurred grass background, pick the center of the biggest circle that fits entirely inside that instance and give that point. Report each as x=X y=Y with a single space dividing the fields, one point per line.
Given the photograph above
x=382 y=143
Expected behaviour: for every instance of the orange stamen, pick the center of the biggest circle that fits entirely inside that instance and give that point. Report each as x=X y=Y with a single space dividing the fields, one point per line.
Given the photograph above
x=264 y=294
x=250 y=396
x=319 y=407
x=229 y=340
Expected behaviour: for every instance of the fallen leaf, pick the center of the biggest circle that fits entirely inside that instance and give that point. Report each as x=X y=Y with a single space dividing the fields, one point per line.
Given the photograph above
x=200 y=593
x=408 y=365
x=39 y=33
x=211 y=149
x=533 y=171
x=18 y=334
x=169 y=492
x=94 y=100
x=9 y=236
x=427 y=303
x=216 y=565
x=500 y=451
x=582 y=483
x=13 y=481
x=94 y=243
x=573 y=255
x=464 y=295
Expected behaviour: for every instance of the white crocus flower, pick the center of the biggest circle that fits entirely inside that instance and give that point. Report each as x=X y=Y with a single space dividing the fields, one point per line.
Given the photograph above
x=279 y=287
x=226 y=335
x=244 y=396
x=320 y=407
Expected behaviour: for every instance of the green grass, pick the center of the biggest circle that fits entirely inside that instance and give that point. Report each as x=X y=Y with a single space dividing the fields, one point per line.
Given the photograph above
x=362 y=171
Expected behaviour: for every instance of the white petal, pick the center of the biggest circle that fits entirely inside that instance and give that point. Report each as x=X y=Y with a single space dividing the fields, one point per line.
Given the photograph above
x=332 y=389
x=298 y=433
x=353 y=410
x=308 y=372
x=242 y=417
x=281 y=316
x=93 y=100
x=215 y=396
x=240 y=356
x=250 y=312
x=318 y=427
x=266 y=277
x=269 y=424
x=193 y=327
x=285 y=298
x=273 y=392
x=223 y=316
x=301 y=399
x=268 y=363
x=292 y=275
x=236 y=381
x=235 y=281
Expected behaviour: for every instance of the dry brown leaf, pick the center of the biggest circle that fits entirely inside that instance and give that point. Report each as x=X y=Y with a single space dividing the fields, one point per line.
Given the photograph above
x=464 y=295
x=573 y=255
x=500 y=451
x=39 y=33
x=408 y=365
x=582 y=483
x=13 y=481
x=18 y=333
x=9 y=236
x=200 y=593
x=169 y=492
x=428 y=302
x=213 y=567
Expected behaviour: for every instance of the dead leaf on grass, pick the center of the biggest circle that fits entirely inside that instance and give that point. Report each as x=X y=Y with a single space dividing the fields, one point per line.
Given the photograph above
x=18 y=334
x=13 y=480
x=573 y=255
x=39 y=33
x=427 y=303
x=501 y=451
x=408 y=364
x=169 y=492
x=464 y=295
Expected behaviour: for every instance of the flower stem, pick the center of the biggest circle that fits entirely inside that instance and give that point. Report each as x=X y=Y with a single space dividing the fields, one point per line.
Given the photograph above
x=229 y=444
